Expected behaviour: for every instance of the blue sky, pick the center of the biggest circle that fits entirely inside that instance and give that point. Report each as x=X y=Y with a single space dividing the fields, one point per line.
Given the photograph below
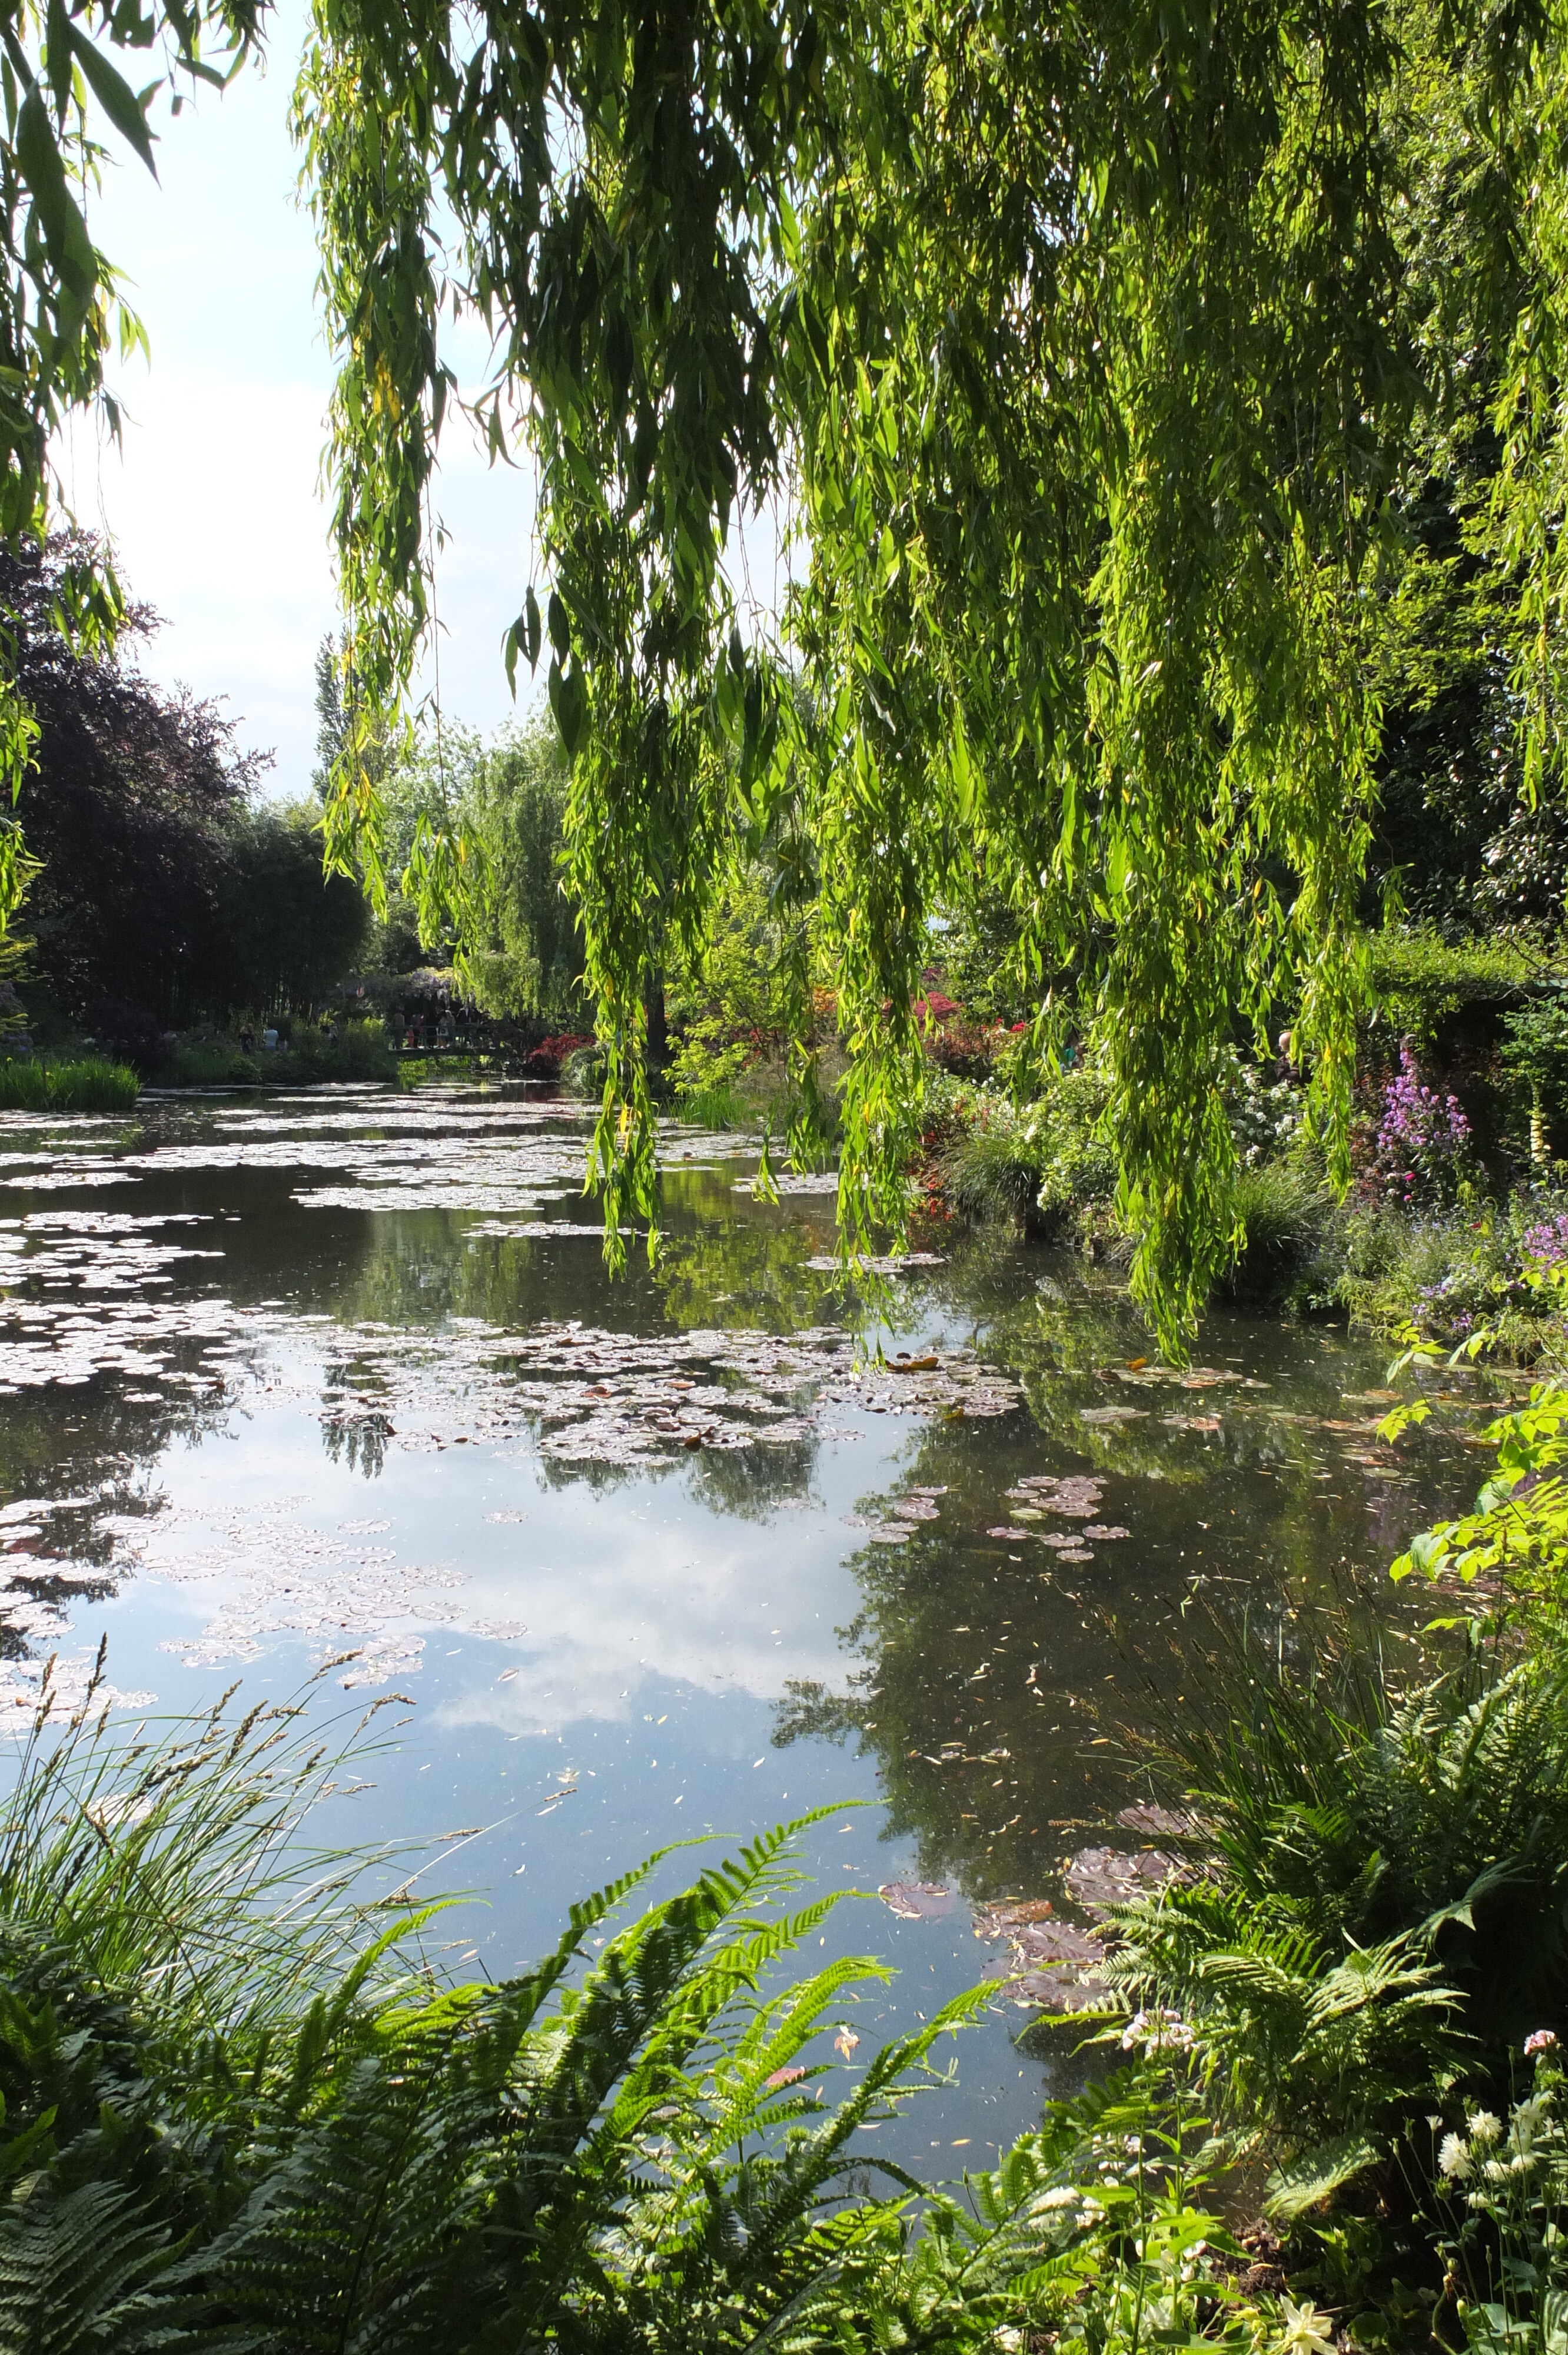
x=214 y=504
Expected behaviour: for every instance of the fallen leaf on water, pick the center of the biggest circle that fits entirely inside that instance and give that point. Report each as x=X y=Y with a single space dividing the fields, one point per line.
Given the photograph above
x=916 y=1900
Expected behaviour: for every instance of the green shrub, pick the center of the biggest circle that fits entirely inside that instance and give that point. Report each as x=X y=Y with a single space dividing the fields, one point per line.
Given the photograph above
x=1042 y=1162
x=1450 y=1278
x=583 y=1072
x=1421 y=981
x=209 y=1063
x=90 y=1084
x=992 y=1169
x=1380 y=1904
x=359 y=1051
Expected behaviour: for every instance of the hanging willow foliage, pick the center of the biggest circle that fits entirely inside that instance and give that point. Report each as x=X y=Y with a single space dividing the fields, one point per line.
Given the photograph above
x=65 y=108
x=1090 y=348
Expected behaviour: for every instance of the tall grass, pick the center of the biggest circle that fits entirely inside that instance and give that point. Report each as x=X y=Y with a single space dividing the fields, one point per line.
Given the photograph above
x=1289 y=1220
x=713 y=1107
x=90 y=1084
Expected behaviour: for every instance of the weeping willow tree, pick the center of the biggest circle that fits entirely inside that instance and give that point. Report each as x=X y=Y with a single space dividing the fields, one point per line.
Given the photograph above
x=68 y=109
x=1088 y=354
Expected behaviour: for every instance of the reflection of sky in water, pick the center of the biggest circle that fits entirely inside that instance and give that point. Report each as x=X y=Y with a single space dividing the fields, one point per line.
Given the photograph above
x=310 y=1444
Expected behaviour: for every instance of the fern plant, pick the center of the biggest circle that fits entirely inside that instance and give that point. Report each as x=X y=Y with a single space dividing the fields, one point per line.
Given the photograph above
x=217 y=2132
x=1376 y=1904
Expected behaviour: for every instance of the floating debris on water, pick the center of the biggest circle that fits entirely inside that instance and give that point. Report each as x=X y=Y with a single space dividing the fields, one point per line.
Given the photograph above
x=917 y=1901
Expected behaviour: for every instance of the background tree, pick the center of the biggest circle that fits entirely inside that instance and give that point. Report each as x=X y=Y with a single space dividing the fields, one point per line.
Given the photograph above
x=162 y=893
x=130 y=794
x=515 y=806
x=290 y=932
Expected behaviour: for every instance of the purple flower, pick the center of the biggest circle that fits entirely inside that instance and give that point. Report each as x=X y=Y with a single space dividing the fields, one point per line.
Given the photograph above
x=1423 y=1138
x=1546 y=1242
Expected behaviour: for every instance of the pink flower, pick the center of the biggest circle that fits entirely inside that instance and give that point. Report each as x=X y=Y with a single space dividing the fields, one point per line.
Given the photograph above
x=1544 y=2040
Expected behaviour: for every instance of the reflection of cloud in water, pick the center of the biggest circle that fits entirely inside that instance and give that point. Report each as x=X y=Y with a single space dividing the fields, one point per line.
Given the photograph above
x=691 y=1604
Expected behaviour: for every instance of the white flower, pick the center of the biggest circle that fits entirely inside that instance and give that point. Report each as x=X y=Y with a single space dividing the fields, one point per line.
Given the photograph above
x=1063 y=2195
x=1522 y=2161
x=1157 y=2031
x=1495 y=2171
x=1454 y=2159
x=1306 y=2331
x=1484 y=2126
x=1530 y=2116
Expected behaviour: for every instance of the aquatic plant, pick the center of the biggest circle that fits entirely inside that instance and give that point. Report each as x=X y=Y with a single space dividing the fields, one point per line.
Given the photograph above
x=23 y=1086
x=91 y=1083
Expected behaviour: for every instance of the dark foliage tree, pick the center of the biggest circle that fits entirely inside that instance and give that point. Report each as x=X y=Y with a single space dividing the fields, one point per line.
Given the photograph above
x=290 y=931
x=131 y=796
x=160 y=895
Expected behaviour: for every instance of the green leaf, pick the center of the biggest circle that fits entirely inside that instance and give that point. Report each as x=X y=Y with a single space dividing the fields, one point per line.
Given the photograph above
x=1289 y=2192
x=115 y=95
x=43 y=169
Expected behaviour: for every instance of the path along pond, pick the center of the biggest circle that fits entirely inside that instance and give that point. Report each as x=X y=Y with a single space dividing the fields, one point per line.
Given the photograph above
x=283 y=1379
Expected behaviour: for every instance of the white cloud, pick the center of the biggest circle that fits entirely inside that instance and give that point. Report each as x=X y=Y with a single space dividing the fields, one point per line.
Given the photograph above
x=696 y=1603
x=213 y=502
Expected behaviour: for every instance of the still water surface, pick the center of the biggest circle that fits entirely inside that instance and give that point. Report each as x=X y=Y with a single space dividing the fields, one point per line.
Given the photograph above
x=286 y=1379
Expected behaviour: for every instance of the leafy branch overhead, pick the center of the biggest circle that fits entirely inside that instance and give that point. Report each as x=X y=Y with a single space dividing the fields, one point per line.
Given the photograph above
x=66 y=103
x=1088 y=352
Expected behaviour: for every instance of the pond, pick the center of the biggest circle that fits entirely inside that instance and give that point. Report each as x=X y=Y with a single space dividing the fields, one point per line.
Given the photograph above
x=289 y=1379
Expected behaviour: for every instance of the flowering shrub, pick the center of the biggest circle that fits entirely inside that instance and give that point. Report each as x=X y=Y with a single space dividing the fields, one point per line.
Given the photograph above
x=1546 y=1242
x=544 y=1061
x=1264 y=1120
x=1506 y=2180
x=1421 y=1149
x=972 y=1049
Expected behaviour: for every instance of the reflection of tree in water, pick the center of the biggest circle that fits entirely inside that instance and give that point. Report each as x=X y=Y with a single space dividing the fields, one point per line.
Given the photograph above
x=988 y=1678
x=90 y=1446
x=744 y=1273
x=748 y=1482
x=356 y=1415
x=358 y=1443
